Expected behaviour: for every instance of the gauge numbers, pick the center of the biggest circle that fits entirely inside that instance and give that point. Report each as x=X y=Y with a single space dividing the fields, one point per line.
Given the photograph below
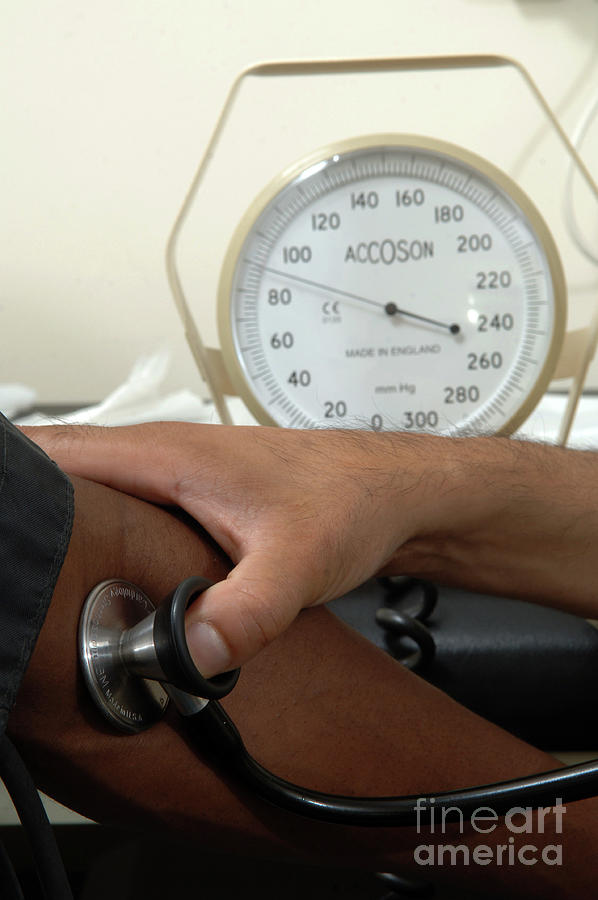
x=392 y=283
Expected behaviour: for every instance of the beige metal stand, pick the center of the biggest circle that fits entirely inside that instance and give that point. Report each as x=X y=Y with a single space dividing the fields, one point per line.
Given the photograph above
x=579 y=345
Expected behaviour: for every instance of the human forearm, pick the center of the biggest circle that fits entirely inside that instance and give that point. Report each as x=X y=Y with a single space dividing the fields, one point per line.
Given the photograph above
x=511 y=517
x=487 y=513
x=320 y=706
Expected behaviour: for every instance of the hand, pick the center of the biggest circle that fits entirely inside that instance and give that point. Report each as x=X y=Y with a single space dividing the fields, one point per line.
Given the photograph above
x=304 y=516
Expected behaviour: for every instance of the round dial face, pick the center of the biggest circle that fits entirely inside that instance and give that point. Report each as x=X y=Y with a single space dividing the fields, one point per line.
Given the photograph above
x=392 y=283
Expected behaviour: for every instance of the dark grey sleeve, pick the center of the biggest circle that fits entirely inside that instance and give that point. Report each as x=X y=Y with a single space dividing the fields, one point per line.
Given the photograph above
x=36 y=516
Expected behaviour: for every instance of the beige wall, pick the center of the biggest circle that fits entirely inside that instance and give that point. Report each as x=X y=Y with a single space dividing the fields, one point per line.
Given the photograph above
x=106 y=108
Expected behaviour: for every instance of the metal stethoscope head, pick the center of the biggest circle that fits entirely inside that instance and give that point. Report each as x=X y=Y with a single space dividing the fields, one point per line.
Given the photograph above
x=135 y=657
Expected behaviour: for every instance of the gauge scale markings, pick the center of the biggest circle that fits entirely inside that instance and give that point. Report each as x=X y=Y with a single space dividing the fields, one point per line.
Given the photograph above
x=315 y=375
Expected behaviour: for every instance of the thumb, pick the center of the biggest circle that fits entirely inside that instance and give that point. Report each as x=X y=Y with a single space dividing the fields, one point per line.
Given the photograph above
x=235 y=619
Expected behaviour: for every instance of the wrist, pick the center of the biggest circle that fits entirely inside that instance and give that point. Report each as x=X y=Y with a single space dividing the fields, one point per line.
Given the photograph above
x=483 y=521
x=431 y=503
x=416 y=484
x=513 y=518
x=456 y=495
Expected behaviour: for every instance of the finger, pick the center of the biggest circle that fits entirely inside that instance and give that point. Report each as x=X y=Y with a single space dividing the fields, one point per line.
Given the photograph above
x=137 y=459
x=235 y=619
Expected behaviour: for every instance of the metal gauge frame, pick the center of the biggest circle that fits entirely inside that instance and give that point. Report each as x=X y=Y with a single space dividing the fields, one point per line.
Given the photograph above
x=238 y=373
x=208 y=360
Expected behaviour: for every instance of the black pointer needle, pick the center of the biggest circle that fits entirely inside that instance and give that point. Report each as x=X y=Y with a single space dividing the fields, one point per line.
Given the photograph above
x=391 y=309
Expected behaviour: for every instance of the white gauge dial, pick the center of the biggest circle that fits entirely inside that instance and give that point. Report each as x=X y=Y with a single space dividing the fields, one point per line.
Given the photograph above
x=392 y=283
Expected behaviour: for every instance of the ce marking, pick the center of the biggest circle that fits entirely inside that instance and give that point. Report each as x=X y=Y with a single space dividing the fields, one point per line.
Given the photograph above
x=330 y=308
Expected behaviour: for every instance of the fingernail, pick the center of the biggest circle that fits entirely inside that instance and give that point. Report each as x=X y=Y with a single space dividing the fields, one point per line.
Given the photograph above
x=210 y=653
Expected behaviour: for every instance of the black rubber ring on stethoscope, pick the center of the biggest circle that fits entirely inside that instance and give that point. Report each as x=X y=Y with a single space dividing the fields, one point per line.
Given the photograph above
x=171 y=645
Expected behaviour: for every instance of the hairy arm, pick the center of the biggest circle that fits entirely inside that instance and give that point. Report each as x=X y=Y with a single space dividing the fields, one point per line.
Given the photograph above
x=513 y=518
x=319 y=706
x=306 y=516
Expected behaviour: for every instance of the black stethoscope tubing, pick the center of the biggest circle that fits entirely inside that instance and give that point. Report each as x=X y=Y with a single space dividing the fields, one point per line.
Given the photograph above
x=214 y=734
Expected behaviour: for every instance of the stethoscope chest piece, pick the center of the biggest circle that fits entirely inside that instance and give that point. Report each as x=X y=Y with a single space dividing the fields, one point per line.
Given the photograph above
x=111 y=609
x=135 y=657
